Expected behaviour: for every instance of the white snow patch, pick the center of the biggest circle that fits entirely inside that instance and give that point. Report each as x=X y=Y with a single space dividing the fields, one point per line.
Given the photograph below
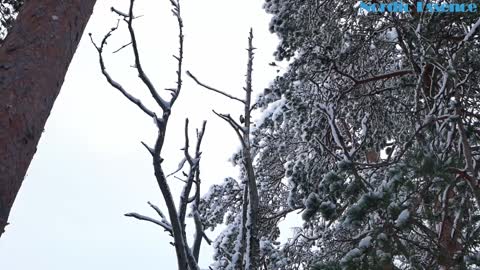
x=402 y=218
x=273 y=110
x=365 y=242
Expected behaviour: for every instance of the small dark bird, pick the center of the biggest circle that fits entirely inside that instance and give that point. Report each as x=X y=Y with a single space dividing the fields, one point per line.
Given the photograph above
x=242 y=119
x=273 y=64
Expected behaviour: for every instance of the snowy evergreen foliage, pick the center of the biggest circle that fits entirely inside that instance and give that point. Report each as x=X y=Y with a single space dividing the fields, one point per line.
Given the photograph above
x=221 y=202
x=373 y=133
x=8 y=13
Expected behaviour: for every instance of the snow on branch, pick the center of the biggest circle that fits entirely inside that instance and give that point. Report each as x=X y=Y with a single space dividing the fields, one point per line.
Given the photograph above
x=164 y=225
x=194 y=165
x=110 y=80
x=180 y=166
x=157 y=209
x=174 y=222
x=472 y=31
x=138 y=65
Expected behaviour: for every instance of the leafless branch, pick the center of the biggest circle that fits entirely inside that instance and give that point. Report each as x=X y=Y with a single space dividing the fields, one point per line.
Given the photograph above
x=138 y=65
x=194 y=164
x=233 y=124
x=110 y=80
x=119 y=13
x=157 y=209
x=179 y=58
x=213 y=89
x=180 y=166
x=150 y=150
x=119 y=49
x=165 y=226
x=185 y=149
x=384 y=76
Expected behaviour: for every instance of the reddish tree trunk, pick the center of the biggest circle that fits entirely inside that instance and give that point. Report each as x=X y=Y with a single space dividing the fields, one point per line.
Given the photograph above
x=448 y=235
x=34 y=59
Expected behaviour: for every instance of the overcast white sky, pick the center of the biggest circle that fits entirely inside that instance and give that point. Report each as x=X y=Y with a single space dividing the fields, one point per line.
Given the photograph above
x=90 y=167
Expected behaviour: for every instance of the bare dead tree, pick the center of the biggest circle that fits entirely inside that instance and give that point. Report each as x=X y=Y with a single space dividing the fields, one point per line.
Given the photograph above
x=249 y=247
x=192 y=179
x=174 y=223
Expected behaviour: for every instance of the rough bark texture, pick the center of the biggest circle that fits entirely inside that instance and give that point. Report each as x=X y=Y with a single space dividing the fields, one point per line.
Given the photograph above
x=33 y=62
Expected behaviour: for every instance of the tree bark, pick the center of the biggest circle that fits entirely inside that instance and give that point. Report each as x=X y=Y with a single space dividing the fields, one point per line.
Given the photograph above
x=33 y=62
x=253 y=201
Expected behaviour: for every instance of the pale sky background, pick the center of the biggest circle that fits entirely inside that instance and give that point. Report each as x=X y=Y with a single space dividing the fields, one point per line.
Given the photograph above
x=90 y=167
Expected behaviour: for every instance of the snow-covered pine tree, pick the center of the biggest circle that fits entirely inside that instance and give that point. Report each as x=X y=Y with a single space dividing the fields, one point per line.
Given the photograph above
x=8 y=13
x=373 y=131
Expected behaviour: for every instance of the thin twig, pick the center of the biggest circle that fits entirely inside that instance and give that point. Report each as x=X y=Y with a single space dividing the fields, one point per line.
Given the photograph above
x=110 y=80
x=152 y=220
x=119 y=49
x=213 y=89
